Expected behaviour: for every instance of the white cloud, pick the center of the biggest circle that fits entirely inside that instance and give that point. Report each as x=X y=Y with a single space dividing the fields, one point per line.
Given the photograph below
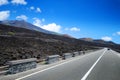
x=73 y=29
x=52 y=27
x=38 y=10
x=35 y=9
x=4 y=15
x=106 y=38
x=22 y=2
x=37 y=22
x=22 y=17
x=32 y=8
x=3 y=2
x=118 y=33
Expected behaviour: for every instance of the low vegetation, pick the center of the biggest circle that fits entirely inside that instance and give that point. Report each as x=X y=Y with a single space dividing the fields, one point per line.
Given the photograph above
x=32 y=44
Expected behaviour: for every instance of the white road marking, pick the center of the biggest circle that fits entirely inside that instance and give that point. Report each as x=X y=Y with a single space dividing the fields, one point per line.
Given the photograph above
x=86 y=75
x=46 y=69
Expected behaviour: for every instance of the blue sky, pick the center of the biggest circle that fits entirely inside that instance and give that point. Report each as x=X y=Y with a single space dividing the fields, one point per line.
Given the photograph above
x=98 y=19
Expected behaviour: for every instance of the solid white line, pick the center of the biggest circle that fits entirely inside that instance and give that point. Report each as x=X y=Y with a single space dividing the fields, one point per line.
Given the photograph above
x=86 y=75
x=45 y=69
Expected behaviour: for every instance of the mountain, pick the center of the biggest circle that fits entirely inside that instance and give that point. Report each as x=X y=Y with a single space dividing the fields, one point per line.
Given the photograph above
x=104 y=42
x=101 y=43
x=97 y=41
x=86 y=39
x=21 y=43
x=66 y=35
x=24 y=24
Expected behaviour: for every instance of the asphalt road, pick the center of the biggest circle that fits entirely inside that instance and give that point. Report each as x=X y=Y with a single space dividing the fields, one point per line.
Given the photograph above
x=100 y=65
x=108 y=68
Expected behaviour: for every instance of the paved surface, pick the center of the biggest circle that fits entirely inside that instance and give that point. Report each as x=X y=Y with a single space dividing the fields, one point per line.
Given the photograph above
x=99 y=65
x=108 y=68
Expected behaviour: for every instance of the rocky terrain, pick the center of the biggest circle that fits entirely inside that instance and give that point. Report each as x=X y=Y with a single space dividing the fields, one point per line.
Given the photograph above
x=20 y=43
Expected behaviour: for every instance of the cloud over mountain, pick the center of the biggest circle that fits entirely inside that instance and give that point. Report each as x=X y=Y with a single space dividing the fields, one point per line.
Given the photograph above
x=106 y=38
x=5 y=15
x=22 y=17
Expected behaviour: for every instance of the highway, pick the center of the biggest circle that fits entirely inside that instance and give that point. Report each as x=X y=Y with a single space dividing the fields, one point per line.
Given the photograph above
x=99 y=65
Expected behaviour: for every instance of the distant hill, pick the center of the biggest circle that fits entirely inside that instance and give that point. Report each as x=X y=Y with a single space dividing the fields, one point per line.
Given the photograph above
x=21 y=43
x=86 y=39
x=66 y=35
x=24 y=24
x=104 y=42
x=97 y=41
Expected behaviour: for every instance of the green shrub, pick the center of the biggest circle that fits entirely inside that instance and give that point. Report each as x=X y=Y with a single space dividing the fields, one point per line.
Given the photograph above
x=11 y=33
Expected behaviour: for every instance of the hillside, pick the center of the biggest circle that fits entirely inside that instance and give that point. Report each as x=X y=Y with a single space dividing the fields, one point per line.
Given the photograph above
x=102 y=43
x=20 y=43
